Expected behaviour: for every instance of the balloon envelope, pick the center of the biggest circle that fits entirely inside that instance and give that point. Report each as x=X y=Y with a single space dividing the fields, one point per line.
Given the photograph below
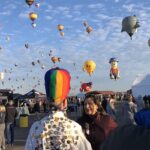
x=1 y=75
x=89 y=66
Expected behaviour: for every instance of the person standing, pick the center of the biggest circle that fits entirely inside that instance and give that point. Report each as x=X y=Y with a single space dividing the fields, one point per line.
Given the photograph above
x=110 y=109
x=2 y=125
x=131 y=137
x=96 y=124
x=56 y=131
x=128 y=110
x=11 y=114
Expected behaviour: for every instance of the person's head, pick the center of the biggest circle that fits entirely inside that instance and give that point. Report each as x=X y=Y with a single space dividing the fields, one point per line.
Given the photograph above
x=129 y=98
x=10 y=102
x=92 y=105
x=57 y=85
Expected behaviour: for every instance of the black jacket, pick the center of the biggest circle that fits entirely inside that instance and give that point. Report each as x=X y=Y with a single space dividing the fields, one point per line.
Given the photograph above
x=11 y=114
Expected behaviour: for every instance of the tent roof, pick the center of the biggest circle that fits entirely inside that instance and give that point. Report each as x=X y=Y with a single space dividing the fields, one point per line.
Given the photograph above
x=141 y=80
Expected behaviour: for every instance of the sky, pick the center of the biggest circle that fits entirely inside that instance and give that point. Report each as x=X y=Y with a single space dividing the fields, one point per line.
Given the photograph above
x=76 y=46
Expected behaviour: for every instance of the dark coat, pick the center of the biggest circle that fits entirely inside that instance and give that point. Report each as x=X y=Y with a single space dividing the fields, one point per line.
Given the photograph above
x=129 y=137
x=96 y=128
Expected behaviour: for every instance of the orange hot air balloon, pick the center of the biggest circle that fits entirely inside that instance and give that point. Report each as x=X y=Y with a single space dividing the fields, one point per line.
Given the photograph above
x=89 y=29
x=29 y=2
x=55 y=59
x=62 y=33
x=60 y=27
x=33 y=16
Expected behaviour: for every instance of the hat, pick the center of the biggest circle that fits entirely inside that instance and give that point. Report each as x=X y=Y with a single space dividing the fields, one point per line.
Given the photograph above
x=57 y=85
x=113 y=60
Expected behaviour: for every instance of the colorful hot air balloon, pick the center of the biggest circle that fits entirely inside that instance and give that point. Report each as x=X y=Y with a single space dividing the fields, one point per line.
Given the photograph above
x=89 y=66
x=29 y=2
x=114 y=71
x=130 y=25
x=57 y=84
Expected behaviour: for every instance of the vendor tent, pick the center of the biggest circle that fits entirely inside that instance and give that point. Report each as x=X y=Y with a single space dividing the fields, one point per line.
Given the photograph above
x=141 y=85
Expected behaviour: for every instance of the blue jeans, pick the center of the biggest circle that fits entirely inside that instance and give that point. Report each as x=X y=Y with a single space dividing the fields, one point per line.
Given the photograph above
x=10 y=133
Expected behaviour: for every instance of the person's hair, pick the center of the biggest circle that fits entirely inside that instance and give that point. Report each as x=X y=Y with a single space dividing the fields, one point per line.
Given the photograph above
x=97 y=102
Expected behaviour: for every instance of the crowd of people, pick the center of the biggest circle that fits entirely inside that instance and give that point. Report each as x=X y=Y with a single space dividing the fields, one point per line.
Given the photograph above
x=98 y=128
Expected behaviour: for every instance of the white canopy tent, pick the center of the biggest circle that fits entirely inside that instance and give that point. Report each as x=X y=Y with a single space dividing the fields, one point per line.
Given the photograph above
x=141 y=85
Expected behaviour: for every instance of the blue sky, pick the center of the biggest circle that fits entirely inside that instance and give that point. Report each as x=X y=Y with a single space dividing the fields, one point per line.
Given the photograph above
x=77 y=46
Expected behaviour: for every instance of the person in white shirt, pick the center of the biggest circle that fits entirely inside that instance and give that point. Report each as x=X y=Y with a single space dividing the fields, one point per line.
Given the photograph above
x=56 y=131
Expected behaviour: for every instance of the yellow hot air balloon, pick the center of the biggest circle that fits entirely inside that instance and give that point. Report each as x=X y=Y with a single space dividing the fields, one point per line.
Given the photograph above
x=33 y=16
x=60 y=27
x=89 y=66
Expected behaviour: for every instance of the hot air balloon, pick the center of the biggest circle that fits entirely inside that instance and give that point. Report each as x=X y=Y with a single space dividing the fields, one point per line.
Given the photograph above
x=29 y=2
x=55 y=59
x=33 y=63
x=7 y=38
x=85 y=23
x=37 y=5
x=26 y=45
x=89 y=66
x=1 y=75
x=42 y=66
x=114 y=71
x=33 y=16
x=89 y=29
x=86 y=87
x=130 y=25
x=62 y=33
x=60 y=27
x=149 y=42
x=38 y=61
x=33 y=24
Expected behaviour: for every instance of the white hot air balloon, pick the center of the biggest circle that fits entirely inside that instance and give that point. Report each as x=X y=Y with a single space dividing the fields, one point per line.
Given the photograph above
x=1 y=75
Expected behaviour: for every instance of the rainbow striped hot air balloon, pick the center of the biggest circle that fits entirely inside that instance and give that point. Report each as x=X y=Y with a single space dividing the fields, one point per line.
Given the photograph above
x=57 y=84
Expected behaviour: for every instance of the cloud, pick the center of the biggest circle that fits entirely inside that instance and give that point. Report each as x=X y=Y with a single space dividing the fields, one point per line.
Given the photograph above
x=5 y=13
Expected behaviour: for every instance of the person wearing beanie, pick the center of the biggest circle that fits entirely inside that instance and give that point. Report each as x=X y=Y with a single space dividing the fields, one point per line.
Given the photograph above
x=56 y=131
x=131 y=137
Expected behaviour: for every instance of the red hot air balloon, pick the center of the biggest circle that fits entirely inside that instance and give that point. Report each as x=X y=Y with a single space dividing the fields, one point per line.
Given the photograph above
x=86 y=87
